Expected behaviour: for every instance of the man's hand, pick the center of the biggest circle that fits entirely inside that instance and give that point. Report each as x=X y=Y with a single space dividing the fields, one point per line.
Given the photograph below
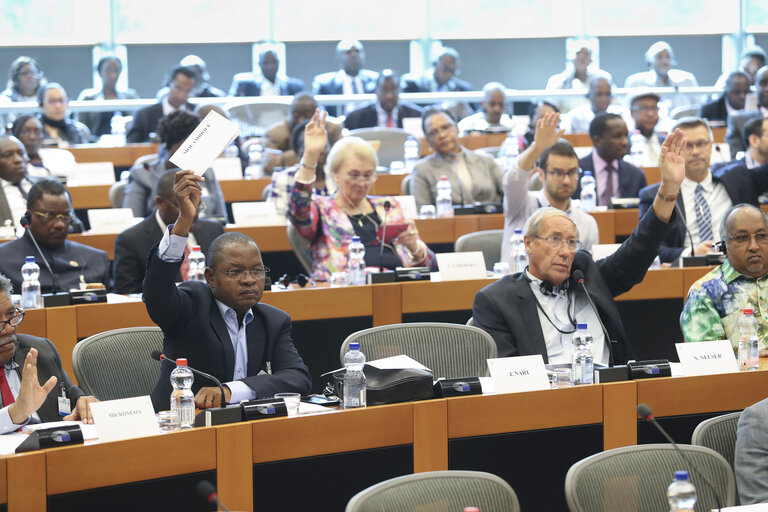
x=188 y=192
x=211 y=397
x=547 y=132
x=672 y=161
x=82 y=411
x=410 y=238
x=32 y=394
x=704 y=247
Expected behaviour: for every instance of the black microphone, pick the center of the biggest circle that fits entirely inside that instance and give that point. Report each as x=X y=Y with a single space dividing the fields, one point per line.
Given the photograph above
x=208 y=493
x=387 y=206
x=158 y=355
x=24 y=222
x=685 y=226
x=647 y=415
x=453 y=157
x=579 y=276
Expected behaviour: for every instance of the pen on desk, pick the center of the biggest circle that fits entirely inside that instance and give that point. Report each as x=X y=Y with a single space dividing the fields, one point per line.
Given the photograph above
x=269 y=367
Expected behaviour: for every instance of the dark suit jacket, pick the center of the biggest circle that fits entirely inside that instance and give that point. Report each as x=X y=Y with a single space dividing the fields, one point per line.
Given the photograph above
x=742 y=185
x=145 y=122
x=631 y=178
x=249 y=84
x=5 y=208
x=714 y=110
x=734 y=134
x=194 y=328
x=333 y=83
x=367 y=117
x=423 y=83
x=133 y=245
x=48 y=365
x=505 y=308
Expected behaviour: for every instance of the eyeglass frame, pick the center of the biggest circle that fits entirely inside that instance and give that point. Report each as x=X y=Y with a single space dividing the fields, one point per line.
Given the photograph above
x=556 y=242
x=49 y=217
x=559 y=175
x=763 y=240
x=237 y=274
x=18 y=313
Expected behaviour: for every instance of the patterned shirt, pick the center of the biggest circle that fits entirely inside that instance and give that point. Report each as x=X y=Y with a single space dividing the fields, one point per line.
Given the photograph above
x=715 y=302
x=282 y=188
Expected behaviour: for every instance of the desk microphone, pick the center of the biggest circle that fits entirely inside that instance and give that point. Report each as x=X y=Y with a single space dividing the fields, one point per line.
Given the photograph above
x=158 y=355
x=647 y=415
x=579 y=276
x=452 y=157
x=387 y=206
x=208 y=493
x=24 y=222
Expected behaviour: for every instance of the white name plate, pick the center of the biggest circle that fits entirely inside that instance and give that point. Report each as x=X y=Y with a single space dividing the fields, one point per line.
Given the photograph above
x=206 y=143
x=126 y=418
x=261 y=213
x=230 y=168
x=92 y=173
x=455 y=266
x=707 y=357
x=516 y=374
x=110 y=220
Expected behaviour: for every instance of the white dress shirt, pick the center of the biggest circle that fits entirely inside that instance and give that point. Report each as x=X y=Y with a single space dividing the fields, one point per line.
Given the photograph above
x=717 y=198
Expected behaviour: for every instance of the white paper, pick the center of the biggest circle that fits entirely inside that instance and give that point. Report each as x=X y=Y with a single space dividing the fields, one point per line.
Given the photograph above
x=707 y=357
x=92 y=173
x=257 y=213
x=230 y=168
x=758 y=507
x=516 y=374
x=413 y=126
x=9 y=442
x=206 y=143
x=397 y=362
x=600 y=251
x=455 y=266
x=408 y=206
x=126 y=418
x=306 y=408
x=110 y=220
x=113 y=298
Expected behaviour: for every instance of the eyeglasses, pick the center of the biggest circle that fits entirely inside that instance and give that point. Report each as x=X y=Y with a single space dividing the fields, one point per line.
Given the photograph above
x=556 y=242
x=18 y=316
x=702 y=144
x=760 y=238
x=646 y=110
x=439 y=130
x=66 y=218
x=236 y=273
x=559 y=175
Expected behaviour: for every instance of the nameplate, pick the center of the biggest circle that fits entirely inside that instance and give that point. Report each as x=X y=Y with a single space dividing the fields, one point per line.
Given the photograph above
x=110 y=220
x=126 y=418
x=455 y=266
x=230 y=168
x=206 y=143
x=262 y=213
x=707 y=357
x=516 y=374
x=92 y=173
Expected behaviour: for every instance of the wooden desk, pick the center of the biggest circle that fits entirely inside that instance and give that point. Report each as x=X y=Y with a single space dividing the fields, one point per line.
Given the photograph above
x=121 y=156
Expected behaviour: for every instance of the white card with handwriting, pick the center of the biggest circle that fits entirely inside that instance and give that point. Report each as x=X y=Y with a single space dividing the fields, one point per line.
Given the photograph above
x=455 y=266
x=206 y=143
x=125 y=418
x=521 y=373
x=707 y=357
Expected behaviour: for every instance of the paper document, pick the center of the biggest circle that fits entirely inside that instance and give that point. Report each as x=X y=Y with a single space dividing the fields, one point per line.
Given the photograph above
x=206 y=143
x=396 y=363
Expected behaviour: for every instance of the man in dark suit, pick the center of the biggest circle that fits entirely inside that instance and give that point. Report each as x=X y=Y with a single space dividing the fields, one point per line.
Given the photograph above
x=731 y=101
x=14 y=179
x=547 y=290
x=49 y=213
x=734 y=135
x=133 y=245
x=387 y=112
x=28 y=361
x=219 y=326
x=696 y=227
x=352 y=78
x=181 y=85
x=441 y=77
x=268 y=82
x=614 y=176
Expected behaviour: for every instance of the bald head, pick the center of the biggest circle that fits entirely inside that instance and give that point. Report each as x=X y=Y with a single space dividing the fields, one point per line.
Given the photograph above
x=302 y=108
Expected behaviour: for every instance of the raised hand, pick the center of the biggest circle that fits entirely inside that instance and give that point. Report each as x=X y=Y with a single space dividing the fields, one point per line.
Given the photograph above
x=315 y=137
x=188 y=192
x=672 y=160
x=32 y=394
x=547 y=132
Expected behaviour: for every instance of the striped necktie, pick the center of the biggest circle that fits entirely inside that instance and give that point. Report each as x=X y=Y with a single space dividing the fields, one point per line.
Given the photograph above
x=703 y=215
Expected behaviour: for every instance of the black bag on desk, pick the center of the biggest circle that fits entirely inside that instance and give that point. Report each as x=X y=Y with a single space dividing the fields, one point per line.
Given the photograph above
x=391 y=385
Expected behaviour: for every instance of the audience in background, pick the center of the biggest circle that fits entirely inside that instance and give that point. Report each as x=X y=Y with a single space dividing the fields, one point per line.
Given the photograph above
x=578 y=71
x=44 y=161
x=661 y=59
x=24 y=80
x=443 y=76
x=100 y=123
x=493 y=117
x=203 y=89
x=58 y=128
x=734 y=135
x=387 y=111
x=732 y=101
x=14 y=180
x=645 y=142
x=351 y=78
x=268 y=81
x=600 y=97
x=756 y=135
x=752 y=59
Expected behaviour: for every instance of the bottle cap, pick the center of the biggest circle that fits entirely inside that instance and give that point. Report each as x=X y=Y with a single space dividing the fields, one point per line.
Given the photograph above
x=354 y=346
x=746 y=311
x=681 y=475
x=518 y=231
x=29 y=259
x=355 y=239
x=471 y=509
x=181 y=361
x=196 y=248
x=581 y=326
x=443 y=177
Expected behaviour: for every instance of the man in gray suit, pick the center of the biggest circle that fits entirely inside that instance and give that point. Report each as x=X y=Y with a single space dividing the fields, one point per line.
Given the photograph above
x=27 y=362
x=474 y=176
x=14 y=179
x=751 y=456
x=734 y=135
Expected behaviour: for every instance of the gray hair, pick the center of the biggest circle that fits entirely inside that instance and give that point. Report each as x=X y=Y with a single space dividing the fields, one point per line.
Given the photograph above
x=724 y=221
x=532 y=226
x=689 y=122
x=350 y=145
x=6 y=285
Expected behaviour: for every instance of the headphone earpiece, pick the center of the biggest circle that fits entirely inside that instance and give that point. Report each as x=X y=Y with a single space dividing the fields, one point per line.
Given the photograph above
x=720 y=246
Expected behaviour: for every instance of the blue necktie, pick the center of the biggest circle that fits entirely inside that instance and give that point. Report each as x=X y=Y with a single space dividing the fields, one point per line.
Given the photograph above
x=703 y=215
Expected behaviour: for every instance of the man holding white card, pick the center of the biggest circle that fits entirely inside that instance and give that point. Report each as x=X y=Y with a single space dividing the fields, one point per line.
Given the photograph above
x=547 y=290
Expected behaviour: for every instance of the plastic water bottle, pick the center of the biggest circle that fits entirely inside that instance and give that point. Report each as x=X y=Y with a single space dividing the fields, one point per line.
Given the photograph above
x=681 y=493
x=117 y=128
x=637 y=147
x=196 y=265
x=31 y=296
x=519 y=254
x=182 y=398
x=356 y=262
x=354 y=378
x=748 y=341
x=588 y=192
x=510 y=149
x=255 y=167
x=583 y=360
x=444 y=202
x=410 y=153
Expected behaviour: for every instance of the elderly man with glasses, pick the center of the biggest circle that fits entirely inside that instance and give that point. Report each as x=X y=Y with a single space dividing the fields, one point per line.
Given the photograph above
x=49 y=215
x=549 y=289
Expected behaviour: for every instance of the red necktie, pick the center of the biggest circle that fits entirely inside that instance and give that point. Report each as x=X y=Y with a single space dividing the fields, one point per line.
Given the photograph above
x=5 y=390
x=390 y=124
x=185 y=264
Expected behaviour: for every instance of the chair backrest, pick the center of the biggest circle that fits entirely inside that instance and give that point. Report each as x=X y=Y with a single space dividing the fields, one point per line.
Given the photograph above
x=405 y=185
x=300 y=247
x=145 y=159
x=636 y=478
x=449 y=350
x=116 y=194
x=391 y=142
x=437 y=490
x=255 y=118
x=117 y=364
x=488 y=242
x=718 y=434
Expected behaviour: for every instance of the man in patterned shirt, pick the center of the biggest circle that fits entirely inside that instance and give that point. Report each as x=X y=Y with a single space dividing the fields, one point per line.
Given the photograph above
x=715 y=302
